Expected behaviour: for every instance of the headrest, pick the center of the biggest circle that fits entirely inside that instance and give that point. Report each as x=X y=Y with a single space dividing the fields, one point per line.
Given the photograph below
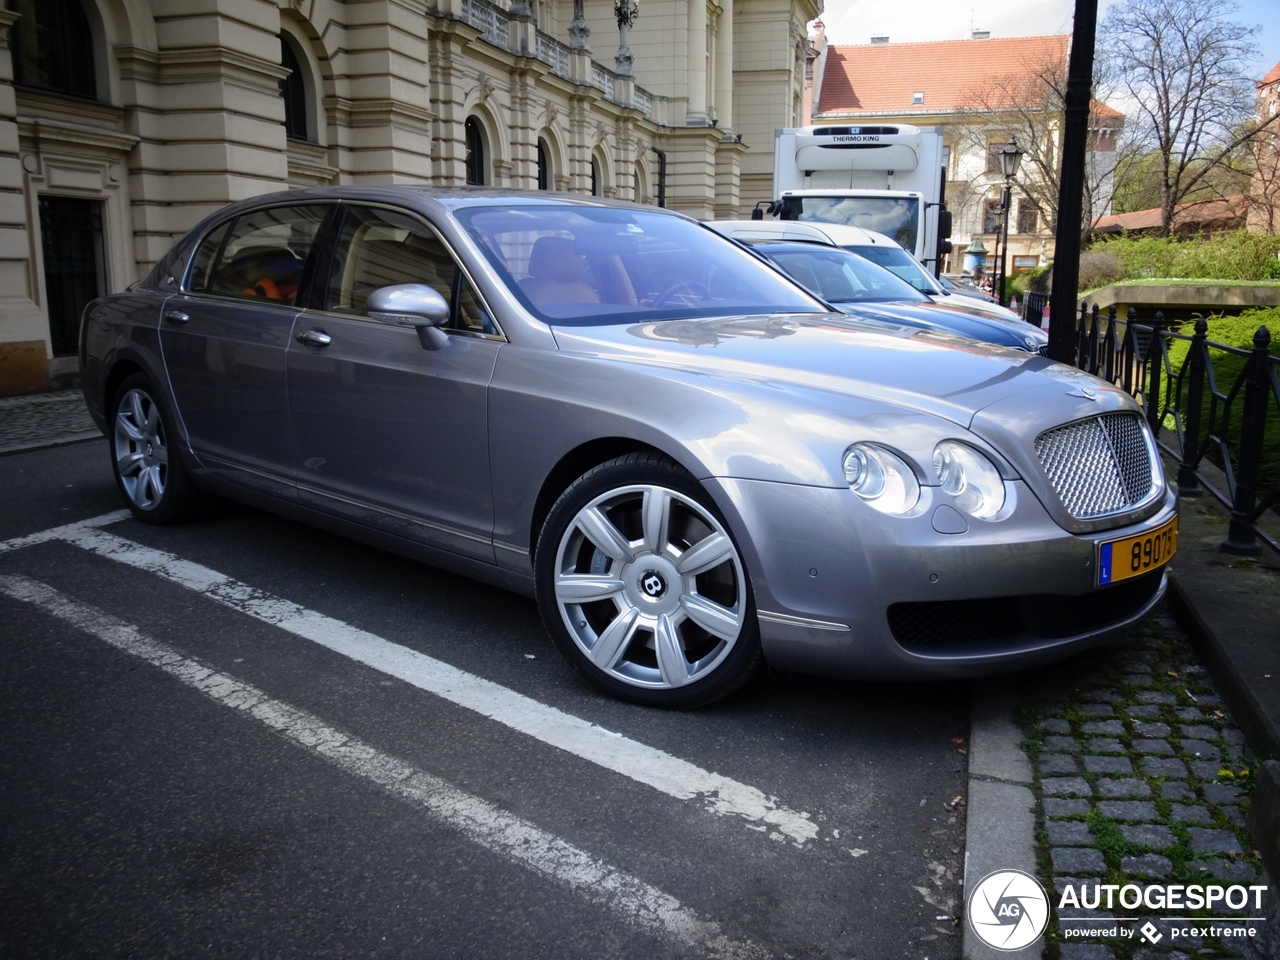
x=552 y=258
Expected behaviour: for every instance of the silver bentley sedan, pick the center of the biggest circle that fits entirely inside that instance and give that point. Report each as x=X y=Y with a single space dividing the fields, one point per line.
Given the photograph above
x=694 y=466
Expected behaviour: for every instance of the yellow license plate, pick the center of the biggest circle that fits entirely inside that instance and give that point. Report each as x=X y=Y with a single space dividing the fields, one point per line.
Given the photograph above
x=1133 y=556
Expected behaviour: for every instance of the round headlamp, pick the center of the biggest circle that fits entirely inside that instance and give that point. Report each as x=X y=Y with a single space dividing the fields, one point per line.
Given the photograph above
x=969 y=478
x=883 y=479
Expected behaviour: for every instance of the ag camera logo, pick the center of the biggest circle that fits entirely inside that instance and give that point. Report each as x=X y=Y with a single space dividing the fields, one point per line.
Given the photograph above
x=1008 y=910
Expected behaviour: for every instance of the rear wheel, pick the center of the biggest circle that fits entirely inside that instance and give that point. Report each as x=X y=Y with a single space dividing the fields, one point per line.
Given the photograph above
x=642 y=587
x=149 y=470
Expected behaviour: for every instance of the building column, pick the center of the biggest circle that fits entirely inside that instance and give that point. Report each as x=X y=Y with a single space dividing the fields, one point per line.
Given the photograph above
x=696 y=49
x=724 y=68
x=23 y=329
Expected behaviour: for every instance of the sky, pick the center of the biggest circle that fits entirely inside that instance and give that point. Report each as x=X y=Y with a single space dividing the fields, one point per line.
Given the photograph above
x=855 y=21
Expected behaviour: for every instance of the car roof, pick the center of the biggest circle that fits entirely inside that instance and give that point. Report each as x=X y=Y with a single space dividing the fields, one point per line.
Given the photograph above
x=834 y=234
x=451 y=198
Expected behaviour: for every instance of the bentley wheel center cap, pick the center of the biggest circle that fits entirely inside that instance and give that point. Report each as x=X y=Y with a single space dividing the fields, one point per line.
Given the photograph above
x=150 y=452
x=652 y=584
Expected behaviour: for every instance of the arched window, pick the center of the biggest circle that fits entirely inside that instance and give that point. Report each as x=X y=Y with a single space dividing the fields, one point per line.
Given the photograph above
x=544 y=167
x=595 y=178
x=53 y=48
x=294 y=93
x=475 y=152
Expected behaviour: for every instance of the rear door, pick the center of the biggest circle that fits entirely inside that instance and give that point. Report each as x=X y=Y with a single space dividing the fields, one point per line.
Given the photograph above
x=225 y=336
x=390 y=434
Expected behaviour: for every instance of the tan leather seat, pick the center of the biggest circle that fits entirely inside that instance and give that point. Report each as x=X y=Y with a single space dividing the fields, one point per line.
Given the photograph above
x=556 y=275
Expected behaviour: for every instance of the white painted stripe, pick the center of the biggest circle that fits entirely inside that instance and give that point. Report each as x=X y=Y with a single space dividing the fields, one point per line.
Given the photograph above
x=648 y=765
x=493 y=828
x=63 y=532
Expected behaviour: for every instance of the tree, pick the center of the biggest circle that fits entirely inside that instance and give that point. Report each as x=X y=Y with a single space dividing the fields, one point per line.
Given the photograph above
x=1185 y=69
x=1028 y=105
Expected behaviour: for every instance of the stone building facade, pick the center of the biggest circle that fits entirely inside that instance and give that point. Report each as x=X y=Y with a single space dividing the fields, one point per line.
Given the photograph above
x=124 y=122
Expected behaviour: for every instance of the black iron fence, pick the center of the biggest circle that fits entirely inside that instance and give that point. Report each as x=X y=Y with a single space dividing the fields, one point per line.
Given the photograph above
x=1033 y=305
x=1216 y=412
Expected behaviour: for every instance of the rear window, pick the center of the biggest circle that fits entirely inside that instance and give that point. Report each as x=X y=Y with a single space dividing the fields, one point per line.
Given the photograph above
x=837 y=275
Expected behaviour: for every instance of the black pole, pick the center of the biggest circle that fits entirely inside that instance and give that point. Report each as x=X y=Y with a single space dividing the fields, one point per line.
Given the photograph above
x=1066 y=253
x=662 y=176
x=1006 y=202
x=1241 y=538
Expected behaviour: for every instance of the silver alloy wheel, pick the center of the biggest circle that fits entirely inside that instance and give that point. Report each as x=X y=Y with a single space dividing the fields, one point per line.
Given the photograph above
x=142 y=455
x=650 y=586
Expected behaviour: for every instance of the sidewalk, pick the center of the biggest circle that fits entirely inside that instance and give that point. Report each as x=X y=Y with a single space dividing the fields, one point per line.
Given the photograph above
x=38 y=420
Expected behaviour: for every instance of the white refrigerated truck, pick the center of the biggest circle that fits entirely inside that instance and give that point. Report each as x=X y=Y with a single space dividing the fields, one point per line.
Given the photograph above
x=884 y=177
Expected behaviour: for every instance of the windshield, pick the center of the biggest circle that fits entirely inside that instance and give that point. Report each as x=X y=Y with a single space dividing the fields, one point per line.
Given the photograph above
x=895 y=217
x=580 y=265
x=837 y=275
x=901 y=263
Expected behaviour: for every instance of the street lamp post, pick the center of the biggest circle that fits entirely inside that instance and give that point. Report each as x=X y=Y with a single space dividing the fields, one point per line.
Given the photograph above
x=626 y=13
x=1010 y=161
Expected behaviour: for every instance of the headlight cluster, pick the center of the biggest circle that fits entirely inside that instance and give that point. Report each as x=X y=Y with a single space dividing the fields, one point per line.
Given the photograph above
x=888 y=483
x=881 y=478
x=970 y=478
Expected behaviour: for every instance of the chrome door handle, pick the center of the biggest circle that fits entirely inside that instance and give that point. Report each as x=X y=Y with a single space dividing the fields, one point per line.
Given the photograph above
x=176 y=316
x=314 y=338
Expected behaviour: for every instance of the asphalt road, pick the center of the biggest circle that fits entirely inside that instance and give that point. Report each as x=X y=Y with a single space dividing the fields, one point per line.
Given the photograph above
x=152 y=806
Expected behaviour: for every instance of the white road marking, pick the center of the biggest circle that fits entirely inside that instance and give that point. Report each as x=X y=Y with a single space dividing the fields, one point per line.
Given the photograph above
x=491 y=827
x=648 y=765
x=61 y=533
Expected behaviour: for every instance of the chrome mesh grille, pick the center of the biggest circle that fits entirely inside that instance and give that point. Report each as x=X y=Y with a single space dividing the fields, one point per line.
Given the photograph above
x=1097 y=466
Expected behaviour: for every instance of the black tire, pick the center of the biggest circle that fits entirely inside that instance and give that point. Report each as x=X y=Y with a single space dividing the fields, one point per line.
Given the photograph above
x=148 y=466
x=663 y=607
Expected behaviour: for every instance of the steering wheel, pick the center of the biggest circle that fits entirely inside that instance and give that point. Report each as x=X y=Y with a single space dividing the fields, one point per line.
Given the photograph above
x=691 y=287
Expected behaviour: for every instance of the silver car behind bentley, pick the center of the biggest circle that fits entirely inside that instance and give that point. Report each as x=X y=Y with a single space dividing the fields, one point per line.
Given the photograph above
x=692 y=464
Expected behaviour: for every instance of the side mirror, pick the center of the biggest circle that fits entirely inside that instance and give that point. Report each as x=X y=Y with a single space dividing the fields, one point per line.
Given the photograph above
x=411 y=305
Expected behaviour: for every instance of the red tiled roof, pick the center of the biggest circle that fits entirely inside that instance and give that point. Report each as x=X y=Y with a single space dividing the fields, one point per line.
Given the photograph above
x=1271 y=77
x=1099 y=109
x=882 y=77
x=1194 y=211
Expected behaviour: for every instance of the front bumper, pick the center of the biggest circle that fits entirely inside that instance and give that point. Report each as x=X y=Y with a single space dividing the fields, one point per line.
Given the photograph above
x=842 y=590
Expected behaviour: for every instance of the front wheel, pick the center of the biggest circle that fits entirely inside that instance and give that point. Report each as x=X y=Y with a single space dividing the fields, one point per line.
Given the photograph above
x=148 y=467
x=642 y=587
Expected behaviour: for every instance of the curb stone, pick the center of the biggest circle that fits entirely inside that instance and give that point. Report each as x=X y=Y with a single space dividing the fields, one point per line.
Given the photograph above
x=1000 y=827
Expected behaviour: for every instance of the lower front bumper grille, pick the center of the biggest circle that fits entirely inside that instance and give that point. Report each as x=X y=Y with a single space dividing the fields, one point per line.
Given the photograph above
x=936 y=624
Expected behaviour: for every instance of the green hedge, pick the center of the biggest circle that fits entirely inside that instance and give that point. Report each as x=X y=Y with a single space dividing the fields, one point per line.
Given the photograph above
x=1237 y=332
x=1232 y=256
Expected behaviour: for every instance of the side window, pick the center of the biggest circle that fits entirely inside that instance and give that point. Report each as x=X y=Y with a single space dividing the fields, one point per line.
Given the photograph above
x=266 y=253
x=202 y=262
x=378 y=248
x=470 y=314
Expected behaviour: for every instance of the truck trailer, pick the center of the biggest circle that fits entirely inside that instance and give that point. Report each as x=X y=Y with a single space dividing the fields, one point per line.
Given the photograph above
x=889 y=178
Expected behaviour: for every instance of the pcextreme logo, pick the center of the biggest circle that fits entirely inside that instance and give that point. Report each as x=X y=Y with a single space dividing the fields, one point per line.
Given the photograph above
x=1008 y=910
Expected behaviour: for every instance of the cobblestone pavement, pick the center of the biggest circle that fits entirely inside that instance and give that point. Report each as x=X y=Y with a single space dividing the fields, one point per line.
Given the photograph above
x=1141 y=778
x=38 y=419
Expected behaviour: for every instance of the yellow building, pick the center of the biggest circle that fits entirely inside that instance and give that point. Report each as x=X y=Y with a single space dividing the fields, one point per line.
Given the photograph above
x=123 y=122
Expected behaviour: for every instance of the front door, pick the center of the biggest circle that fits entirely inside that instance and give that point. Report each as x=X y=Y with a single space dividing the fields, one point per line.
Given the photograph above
x=71 y=241
x=390 y=434
x=224 y=339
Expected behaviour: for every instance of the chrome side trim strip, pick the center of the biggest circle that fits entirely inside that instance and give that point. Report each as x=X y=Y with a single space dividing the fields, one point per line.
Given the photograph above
x=418 y=521
x=790 y=621
x=511 y=548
